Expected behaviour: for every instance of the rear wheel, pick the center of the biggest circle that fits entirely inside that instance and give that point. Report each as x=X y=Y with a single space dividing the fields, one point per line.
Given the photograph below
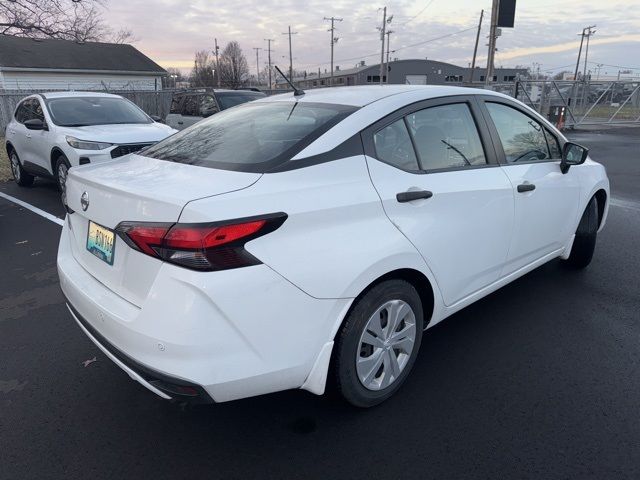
x=378 y=343
x=584 y=243
x=62 y=170
x=20 y=176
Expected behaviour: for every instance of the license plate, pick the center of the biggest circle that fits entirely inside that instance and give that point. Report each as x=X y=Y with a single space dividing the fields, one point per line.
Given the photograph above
x=101 y=242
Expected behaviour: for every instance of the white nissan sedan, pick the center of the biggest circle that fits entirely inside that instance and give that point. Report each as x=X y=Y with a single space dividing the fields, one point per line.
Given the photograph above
x=311 y=238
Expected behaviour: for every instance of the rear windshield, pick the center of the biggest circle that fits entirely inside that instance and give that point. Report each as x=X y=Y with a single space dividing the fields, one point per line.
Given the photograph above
x=84 y=111
x=228 y=100
x=253 y=137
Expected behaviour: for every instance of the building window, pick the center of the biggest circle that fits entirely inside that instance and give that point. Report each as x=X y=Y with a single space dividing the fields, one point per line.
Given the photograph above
x=453 y=78
x=321 y=82
x=482 y=77
x=341 y=80
x=376 y=78
x=509 y=78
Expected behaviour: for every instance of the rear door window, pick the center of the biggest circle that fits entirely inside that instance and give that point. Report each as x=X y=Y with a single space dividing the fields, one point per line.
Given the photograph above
x=393 y=146
x=446 y=136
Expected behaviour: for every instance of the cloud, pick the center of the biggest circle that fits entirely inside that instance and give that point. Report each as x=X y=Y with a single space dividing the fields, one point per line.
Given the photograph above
x=170 y=31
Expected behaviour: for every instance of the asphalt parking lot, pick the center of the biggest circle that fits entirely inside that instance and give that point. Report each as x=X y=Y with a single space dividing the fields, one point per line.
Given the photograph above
x=539 y=380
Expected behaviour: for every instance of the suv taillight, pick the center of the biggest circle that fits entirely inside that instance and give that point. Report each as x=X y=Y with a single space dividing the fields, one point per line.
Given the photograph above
x=200 y=246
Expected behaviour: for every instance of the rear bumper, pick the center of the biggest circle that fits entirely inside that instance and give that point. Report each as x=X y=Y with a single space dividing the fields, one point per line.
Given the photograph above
x=234 y=334
x=165 y=386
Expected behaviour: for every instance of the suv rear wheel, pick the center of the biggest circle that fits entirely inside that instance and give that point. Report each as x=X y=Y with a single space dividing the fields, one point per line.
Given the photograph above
x=20 y=176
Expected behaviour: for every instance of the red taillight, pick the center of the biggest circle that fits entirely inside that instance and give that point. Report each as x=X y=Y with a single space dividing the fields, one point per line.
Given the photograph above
x=209 y=246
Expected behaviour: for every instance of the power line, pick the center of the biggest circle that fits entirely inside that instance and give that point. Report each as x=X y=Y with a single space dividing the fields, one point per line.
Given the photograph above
x=434 y=39
x=418 y=14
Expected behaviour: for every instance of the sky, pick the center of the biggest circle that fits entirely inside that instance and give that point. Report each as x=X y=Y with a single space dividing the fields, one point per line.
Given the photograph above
x=546 y=32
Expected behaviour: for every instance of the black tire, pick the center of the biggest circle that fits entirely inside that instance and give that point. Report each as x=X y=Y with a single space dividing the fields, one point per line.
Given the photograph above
x=584 y=243
x=348 y=349
x=20 y=175
x=61 y=163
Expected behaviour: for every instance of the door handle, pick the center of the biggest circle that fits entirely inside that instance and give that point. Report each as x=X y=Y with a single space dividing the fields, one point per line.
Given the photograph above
x=526 y=187
x=28 y=136
x=181 y=123
x=412 y=195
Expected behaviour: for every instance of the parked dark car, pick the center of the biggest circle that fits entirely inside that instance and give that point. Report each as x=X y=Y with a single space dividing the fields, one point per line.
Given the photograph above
x=190 y=107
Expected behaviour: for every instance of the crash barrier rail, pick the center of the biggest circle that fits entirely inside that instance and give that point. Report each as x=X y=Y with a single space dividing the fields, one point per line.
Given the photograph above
x=152 y=102
x=570 y=104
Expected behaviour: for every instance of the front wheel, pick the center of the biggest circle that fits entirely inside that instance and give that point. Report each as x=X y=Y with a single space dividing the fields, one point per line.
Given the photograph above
x=20 y=176
x=62 y=170
x=378 y=343
x=584 y=243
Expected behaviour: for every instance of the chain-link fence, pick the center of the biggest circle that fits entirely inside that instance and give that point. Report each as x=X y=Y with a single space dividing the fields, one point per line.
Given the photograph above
x=571 y=104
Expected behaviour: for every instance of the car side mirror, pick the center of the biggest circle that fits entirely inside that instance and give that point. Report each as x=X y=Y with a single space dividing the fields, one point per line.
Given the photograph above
x=35 y=124
x=572 y=154
x=157 y=118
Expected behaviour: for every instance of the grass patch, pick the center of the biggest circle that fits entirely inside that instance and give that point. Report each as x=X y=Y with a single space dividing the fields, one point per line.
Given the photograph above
x=5 y=168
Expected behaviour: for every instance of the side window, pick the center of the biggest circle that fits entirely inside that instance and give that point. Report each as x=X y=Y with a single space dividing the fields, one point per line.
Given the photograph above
x=393 y=145
x=191 y=105
x=30 y=110
x=37 y=109
x=523 y=139
x=21 y=112
x=554 y=146
x=446 y=137
x=175 y=103
x=208 y=106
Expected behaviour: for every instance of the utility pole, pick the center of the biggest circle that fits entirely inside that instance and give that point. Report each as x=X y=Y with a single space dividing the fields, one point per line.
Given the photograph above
x=582 y=35
x=389 y=32
x=382 y=33
x=269 y=40
x=492 y=40
x=475 y=49
x=590 y=32
x=290 y=54
x=217 y=62
x=257 y=49
x=334 y=39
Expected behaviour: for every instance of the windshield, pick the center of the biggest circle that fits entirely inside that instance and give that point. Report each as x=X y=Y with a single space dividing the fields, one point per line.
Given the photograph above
x=228 y=100
x=85 y=111
x=254 y=137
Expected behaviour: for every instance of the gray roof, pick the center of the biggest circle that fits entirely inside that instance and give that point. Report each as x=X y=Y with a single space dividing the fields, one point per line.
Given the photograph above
x=55 y=54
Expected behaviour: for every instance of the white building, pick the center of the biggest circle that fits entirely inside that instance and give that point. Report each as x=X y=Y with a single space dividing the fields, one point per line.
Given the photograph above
x=52 y=64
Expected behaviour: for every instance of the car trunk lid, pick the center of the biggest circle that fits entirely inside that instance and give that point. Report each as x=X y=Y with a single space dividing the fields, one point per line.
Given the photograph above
x=136 y=189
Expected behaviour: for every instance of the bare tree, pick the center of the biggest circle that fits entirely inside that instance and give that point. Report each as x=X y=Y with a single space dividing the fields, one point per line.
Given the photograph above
x=202 y=74
x=79 y=20
x=234 y=70
x=124 y=35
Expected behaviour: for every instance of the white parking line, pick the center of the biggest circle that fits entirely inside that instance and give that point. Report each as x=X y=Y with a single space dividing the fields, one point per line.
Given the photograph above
x=37 y=210
x=628 y=204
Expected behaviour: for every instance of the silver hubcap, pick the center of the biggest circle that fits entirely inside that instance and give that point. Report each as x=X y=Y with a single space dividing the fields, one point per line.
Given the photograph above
x=386 y=345
x=62 y=175
x=15 y=166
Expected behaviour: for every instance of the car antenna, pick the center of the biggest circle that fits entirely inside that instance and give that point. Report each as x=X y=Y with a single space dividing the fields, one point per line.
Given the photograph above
x=296 y=91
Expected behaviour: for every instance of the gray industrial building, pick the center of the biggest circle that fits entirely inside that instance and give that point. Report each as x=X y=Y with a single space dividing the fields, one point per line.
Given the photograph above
x=413 y=72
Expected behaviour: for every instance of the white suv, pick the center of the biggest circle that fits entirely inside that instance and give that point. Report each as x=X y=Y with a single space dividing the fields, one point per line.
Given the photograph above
x=306 y=234
x=52 y=132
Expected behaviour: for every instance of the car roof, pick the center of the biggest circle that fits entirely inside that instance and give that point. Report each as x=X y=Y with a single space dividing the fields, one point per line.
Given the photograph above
x=49 y=95
x=359 y=96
